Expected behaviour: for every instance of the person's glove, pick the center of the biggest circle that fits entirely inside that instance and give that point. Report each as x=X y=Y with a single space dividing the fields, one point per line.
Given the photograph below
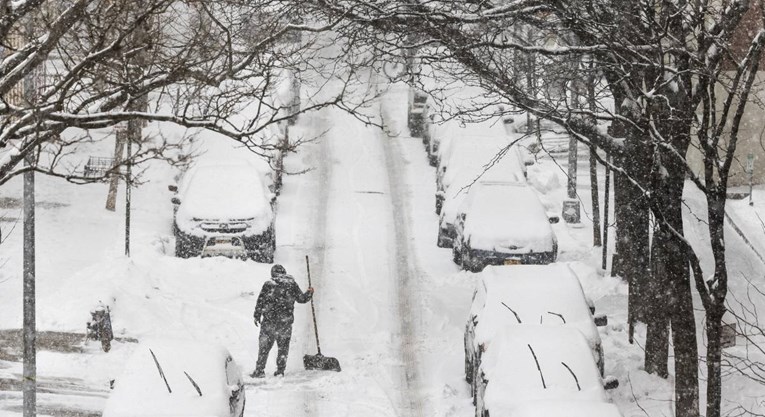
x=310 y=290
x=257 y=322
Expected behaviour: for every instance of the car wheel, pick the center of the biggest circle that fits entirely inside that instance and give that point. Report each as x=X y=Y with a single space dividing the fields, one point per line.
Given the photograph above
x=465 y=258
x=474 y=264
x=456 y=256
x=181 y=247
x=441 y=242
x=468 y=371
x=268 y=257
x=470 y=263
x=266 y=252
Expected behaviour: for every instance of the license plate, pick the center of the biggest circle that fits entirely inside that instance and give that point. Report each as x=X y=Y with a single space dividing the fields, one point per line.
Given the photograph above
x=512 y=262
x=223 y=240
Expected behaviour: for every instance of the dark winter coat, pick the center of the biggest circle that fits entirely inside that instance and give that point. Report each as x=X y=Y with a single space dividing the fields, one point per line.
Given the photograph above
x=277 y=298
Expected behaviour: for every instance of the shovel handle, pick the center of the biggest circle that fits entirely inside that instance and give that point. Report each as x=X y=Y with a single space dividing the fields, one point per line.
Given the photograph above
x=313 y=310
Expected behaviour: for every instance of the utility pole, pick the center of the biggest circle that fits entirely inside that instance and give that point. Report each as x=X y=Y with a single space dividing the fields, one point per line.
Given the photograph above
x=29 y=384
x=133 y=133
x=29 y=369
x=605 y=214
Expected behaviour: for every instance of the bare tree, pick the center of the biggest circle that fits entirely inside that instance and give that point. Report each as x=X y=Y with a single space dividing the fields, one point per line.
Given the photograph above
x=211 y=65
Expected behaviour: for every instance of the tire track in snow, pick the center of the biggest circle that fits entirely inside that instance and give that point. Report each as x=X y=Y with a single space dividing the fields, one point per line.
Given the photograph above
x=406 y=274
x=317 y=246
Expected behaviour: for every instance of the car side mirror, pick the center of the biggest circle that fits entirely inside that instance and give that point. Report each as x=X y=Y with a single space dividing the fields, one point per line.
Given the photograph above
x=554 y=219
x=474 y=319
x=610 y=382
x=601 y=320
x=463 y=216
x=173 y=188
x=175 y=200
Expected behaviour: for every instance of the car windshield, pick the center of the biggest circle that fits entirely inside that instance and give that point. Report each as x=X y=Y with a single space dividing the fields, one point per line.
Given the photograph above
x=226 y=191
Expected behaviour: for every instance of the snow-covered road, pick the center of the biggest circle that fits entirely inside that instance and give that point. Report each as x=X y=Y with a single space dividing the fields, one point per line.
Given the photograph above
x=351 y=239
x=389 y=304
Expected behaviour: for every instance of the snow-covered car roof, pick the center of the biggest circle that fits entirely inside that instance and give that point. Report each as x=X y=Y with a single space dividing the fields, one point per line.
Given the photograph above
x=474 y=151
x=547 y=408
x=141 y=390
x=507 y=169
x=225 y=192
x=452 y=132
x=530 y=363
x=505 y=217
x=546 y=295
x=489 y=160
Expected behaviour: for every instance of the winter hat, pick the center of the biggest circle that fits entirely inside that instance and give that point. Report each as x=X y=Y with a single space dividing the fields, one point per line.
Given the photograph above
x=277 y=270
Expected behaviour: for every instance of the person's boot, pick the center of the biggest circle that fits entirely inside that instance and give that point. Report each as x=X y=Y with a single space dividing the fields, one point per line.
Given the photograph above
x=279 y=372
x=258 y=373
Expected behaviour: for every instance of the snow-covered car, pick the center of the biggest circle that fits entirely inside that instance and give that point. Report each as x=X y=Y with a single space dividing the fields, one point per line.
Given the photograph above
x=527 y=295
x=536 y=364
x=508 y=169
x=444 y=134
x=488 y=158
x=178 y=378
x=418 y=113
x=503 y=224
x=437 y=134
x=224 y=210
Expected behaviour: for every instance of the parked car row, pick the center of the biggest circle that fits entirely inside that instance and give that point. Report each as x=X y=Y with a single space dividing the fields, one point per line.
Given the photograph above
x=531 y=342
x=531 y=339
x=488 y=214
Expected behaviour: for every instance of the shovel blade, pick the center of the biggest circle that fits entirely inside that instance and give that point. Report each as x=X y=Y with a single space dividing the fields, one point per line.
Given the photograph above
x=321 y=363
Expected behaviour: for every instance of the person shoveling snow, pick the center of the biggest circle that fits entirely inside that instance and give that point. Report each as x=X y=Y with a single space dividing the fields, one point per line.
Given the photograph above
x=274 y=315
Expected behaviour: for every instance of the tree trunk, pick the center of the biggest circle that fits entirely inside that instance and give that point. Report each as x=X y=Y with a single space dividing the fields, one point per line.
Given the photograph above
x=714 y=358
x=633 y=240
x=657 y=314
x=595 y=200
x=674 y=287
x=592 y=104
x=716 y=308
x=683 y=326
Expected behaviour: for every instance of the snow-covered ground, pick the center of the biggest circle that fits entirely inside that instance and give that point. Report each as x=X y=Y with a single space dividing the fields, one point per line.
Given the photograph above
x=391 y=305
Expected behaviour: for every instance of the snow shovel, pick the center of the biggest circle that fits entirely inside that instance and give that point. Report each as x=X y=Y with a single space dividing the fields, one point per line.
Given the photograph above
x=318 y=361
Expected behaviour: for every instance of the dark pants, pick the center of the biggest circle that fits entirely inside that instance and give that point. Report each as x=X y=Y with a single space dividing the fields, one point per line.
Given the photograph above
x=270 y=333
